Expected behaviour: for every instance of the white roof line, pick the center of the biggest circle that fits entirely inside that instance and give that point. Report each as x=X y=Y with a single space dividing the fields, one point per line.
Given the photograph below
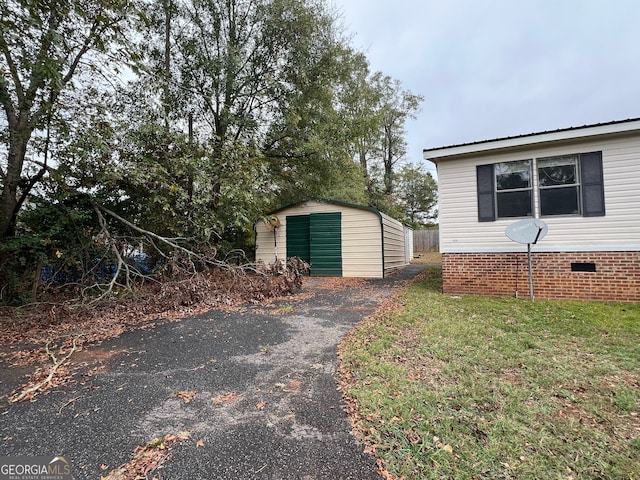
x=533 y=138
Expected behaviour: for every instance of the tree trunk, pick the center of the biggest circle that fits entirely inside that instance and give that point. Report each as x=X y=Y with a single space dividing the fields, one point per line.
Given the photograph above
x=388 y=162
x=9 y=197
x=363 y=163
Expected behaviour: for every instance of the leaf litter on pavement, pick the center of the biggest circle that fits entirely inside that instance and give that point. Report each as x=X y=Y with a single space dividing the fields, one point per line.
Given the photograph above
x=25 y=331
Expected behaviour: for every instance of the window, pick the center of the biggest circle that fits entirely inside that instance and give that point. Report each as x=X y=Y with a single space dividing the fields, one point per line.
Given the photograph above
x=566 y=185
x=558 y=181
x=513 y=189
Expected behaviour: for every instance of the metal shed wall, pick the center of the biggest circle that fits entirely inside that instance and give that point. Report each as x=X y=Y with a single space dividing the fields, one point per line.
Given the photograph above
x=394 y=244
x=373 y=244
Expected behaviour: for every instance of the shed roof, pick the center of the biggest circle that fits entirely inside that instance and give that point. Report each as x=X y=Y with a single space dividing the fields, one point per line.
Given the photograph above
x=552 y=136
x=332 y=202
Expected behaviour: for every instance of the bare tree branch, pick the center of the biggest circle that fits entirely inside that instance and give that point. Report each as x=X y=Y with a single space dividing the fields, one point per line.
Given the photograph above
x=56 y=364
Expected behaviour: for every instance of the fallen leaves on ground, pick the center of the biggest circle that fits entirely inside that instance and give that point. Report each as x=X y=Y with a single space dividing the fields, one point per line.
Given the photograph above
x=147 y=458
x=382 y=471
x=293 y=386
x=26 y=330
x=336 y=283
x=186 y=396
x=225 y=398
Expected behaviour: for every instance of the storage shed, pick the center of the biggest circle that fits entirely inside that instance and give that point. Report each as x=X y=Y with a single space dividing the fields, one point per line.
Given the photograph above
x=337 y=239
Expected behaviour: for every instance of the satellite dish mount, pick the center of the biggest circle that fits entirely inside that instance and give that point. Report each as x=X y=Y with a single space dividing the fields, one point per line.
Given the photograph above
x=528 y=231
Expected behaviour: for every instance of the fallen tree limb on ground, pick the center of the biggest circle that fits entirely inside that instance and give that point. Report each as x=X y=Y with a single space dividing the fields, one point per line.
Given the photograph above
x=32 y=390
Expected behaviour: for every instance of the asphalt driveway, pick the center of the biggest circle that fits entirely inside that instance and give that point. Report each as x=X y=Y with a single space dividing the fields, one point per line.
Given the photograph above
x=262 y=398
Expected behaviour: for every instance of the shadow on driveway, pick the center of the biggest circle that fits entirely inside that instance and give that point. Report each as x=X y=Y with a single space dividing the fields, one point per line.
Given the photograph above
x=264 y=401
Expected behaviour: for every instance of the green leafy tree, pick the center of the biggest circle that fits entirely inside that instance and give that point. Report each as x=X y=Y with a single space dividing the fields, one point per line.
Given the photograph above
x=257 y=83
x=359 y=106
x=397 y=107
x=377 y=109
x=418 y=195
x=45 y=47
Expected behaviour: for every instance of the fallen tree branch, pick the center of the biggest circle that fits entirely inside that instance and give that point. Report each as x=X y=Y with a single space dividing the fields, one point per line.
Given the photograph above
x=169 y=241
x=56 y=364
x=120 y=261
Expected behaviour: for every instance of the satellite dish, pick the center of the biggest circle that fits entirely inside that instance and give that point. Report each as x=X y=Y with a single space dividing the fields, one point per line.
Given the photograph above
x=527 y=231
x=272 y=222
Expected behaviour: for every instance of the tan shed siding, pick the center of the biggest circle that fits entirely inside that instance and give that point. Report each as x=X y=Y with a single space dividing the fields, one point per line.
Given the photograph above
x=265 y=249
x=394 y=244
x=618 y=230
x=361 y=243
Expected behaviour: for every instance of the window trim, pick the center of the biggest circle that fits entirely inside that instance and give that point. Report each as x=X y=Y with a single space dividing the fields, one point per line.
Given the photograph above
x=577 y=184
x=529 y=189
x=590 y=188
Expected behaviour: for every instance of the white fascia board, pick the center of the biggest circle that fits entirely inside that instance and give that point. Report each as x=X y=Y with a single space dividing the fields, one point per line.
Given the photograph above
x=443 y=153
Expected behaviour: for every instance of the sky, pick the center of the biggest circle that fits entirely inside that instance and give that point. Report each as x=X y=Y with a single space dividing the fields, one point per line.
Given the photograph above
x=496 y=68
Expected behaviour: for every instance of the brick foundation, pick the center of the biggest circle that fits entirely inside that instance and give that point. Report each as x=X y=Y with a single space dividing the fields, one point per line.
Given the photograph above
x=556 y=275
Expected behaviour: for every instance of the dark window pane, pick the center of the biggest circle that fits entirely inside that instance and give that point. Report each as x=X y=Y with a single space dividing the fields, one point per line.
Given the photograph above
x=514 y=204
x=557 y=175
x=559 y=201
x=512 y=175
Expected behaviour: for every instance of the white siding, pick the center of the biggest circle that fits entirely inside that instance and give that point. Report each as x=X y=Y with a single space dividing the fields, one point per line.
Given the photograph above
x=361 y=238
x=618 y=230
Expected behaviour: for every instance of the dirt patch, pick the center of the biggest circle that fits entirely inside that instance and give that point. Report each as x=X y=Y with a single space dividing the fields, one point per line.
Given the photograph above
x=96 y=356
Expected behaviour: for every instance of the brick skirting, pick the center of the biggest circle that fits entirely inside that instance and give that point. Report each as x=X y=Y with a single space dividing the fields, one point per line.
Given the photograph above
x=607 y=276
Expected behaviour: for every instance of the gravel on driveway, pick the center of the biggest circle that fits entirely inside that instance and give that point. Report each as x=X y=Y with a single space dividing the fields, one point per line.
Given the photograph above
x=254 y=387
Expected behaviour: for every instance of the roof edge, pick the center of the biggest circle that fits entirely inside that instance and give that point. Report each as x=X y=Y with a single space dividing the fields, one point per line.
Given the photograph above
x=332 y=202
x=563 y=134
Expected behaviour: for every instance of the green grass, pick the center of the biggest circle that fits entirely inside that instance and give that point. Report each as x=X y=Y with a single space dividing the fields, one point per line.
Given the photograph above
x=471 y=387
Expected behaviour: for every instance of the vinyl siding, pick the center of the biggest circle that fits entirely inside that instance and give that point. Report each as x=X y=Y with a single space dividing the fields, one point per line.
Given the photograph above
x=618 y=230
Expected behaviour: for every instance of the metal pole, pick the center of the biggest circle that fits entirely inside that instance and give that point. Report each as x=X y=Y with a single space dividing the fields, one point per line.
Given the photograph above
x=530 y=272
x=275 y=243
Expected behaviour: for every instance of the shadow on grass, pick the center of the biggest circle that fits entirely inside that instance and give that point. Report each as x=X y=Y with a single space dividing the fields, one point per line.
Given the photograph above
x=431 y=279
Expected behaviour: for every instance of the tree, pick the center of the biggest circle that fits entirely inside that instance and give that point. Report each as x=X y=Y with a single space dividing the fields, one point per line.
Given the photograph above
x=360 y=101
x=418 y=195
x=259 y=79
x=45 y=46
x=376 y=110
x=397 y=107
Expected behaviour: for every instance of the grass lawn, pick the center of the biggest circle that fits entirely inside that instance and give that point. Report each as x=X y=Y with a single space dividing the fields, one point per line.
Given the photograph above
x=470 y=387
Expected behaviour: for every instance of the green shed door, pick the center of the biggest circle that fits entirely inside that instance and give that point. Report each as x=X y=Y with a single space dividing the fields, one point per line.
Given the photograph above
x=317 y=239
x=298 y=240
x=326 y=244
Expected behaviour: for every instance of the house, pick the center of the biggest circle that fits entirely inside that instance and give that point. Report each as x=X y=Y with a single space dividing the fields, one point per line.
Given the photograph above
x=582 y=182
x=335 y=238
